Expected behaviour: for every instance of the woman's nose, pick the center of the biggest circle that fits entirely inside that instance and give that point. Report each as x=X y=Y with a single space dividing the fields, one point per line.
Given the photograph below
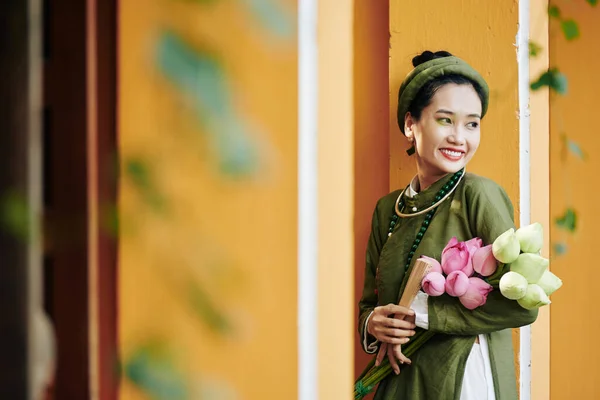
x=457 y=137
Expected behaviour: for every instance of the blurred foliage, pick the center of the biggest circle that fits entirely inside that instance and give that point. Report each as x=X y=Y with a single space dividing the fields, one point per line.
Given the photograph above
x=557 y=83
x=559 y=248
x=568 y=220
x=571 y=147
x=534 y=49
x=553 y=79
x=570 y=29
x=152 y=369
x=139 y=174
x=199 y=75
x=14 y=214
x=205 y=309
x=196 y=70
x=272 y=16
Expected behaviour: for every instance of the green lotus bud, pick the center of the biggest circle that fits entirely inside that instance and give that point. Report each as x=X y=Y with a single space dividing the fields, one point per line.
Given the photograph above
x=513 y=285
x=506 y=247
x=531 y=266
x=531 y=238
x=534 y=298
x=549 y=282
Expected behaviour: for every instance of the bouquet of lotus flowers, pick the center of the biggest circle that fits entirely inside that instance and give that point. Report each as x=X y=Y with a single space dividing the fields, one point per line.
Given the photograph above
x=470 y=271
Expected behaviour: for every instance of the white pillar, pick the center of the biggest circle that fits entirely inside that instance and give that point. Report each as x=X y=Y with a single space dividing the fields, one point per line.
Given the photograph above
x=307 y=201
x=524 y=177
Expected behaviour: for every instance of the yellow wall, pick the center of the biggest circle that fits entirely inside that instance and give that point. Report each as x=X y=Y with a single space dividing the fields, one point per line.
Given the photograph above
x=371 y=134
x=484 y=37
x=235 y=237
x=574 y=322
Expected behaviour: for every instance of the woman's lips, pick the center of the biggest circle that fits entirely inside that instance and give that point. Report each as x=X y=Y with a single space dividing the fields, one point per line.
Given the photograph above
x=452 y=155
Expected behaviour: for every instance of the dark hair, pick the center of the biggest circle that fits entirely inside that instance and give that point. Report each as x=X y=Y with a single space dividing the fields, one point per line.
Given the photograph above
x=424 y=96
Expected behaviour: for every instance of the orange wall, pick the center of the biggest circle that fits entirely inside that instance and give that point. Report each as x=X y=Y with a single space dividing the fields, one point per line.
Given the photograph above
x=235 y=237
x=371 y=134
x=574 y=322
x=484 y=37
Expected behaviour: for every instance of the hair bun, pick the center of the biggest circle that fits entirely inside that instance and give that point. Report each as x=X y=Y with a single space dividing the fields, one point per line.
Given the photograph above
x=428 y=56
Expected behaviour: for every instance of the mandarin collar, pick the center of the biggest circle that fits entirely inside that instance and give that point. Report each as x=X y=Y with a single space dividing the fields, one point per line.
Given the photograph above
x=425 y=198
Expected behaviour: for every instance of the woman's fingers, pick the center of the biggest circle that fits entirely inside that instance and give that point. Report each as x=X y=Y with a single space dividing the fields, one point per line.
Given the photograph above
x=393 y=362
x=399 y=323
x=382 y=352
x=394 y=340
x=394 y=309
x=391 y=332
x=397 y=351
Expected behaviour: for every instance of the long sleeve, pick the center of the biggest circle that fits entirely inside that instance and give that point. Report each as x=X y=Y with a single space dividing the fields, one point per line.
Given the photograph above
x=368 y=300
x=490 y=213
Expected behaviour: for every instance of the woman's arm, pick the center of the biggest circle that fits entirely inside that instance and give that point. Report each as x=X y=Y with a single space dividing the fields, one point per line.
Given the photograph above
x=368 y=301
x=490 y=213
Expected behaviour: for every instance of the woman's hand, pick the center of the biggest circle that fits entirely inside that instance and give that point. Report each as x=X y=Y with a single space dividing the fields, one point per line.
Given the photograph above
x=393 y=326
x=394 y=354
x=388 y=325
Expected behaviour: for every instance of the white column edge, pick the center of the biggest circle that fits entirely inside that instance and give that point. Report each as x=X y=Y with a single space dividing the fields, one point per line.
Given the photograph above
x=524 y=177
x=307 y=200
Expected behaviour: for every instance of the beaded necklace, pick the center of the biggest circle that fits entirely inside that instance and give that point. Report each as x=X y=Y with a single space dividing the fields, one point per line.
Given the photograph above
x=442 y=195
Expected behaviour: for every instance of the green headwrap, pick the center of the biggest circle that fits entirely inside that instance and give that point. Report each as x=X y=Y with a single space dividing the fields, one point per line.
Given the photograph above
x=431 y=70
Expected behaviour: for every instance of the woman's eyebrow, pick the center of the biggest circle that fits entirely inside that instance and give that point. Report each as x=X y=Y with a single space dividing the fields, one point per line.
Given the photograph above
x=442 y=111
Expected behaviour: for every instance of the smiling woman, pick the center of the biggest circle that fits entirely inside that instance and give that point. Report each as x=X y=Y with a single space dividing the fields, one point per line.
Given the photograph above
x=447 y=134
x=440 y=106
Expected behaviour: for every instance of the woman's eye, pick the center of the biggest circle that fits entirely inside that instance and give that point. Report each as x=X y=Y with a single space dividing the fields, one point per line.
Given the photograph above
x=473 y=125
x=445 y=121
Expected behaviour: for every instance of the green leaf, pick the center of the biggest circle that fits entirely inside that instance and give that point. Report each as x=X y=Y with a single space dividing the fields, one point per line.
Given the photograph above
x=153 y=371
x=570 y=29
x=534 y=49
x=593 y=3
x=206 y=309
x=554 y=11
x=568 y=220
x=560 y=248
x=139 y=174
x=552 y=78
x=14 y=214
x=575 y=149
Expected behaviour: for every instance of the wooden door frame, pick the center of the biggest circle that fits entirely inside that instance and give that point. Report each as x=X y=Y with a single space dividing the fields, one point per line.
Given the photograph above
x=80 y=130
x=106 y=181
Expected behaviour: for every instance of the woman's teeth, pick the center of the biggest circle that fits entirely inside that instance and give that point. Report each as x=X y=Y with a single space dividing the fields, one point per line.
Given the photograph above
x=452 y=153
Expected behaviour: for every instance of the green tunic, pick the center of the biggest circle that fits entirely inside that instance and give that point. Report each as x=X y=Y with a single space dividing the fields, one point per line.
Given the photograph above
x=477 y=208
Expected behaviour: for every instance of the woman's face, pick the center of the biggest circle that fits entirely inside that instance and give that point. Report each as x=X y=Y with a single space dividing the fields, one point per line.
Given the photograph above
x=447 y=135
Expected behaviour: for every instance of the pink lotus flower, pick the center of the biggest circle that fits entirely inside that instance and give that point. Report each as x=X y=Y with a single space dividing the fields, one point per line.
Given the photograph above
x=456 y=257
x=435 y=264
x=476 y=294
x=433 y=283
x=473 y=245
x=457 y=283
x=484 y=262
